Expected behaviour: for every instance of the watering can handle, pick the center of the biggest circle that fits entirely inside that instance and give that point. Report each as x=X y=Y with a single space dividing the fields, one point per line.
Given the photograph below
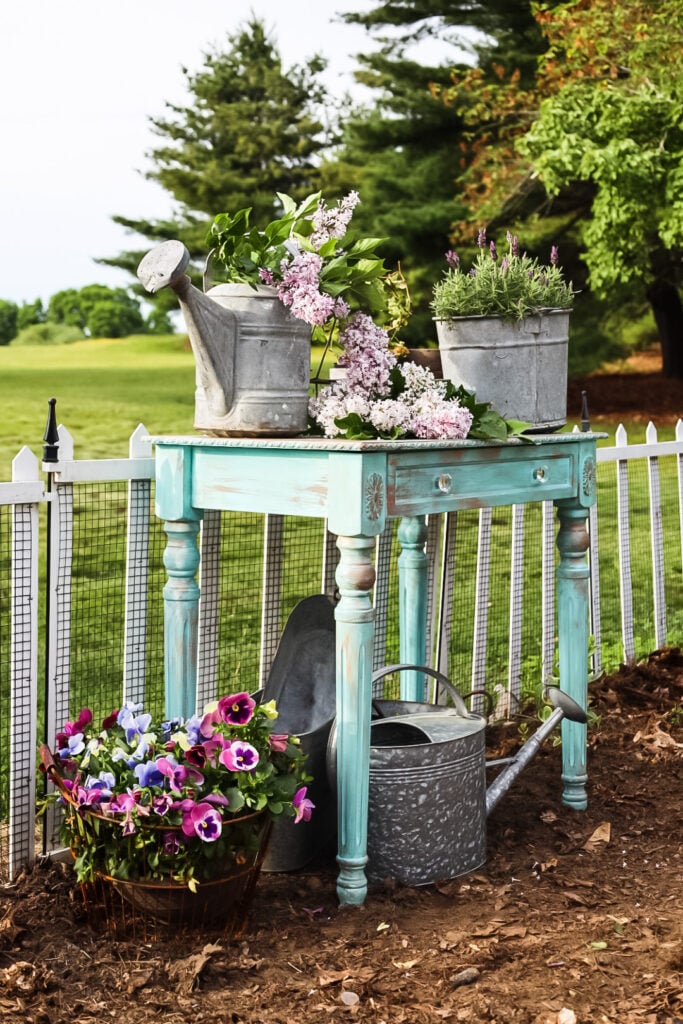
x=441 y=679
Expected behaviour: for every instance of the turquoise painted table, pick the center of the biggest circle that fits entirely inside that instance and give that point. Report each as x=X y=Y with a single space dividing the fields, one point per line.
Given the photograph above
x=357 y=486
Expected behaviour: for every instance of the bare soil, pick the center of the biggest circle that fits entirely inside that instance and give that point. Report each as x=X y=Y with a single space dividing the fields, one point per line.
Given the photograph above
x=576 y=917
x=633 y=389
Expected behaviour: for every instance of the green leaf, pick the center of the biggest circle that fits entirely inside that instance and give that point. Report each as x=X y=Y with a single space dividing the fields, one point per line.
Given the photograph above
x=354 y=428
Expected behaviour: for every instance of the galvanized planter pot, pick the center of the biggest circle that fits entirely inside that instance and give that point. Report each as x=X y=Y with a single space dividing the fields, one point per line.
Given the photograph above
x=520 y=367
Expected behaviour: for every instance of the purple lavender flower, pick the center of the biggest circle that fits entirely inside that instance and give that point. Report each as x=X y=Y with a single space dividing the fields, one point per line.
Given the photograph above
x=492 y=250
x=505 y=264
x=481 y=238
x=513 y=242
x=237 y=709
x=452 y=259
x=239 y=757
x=553 y=255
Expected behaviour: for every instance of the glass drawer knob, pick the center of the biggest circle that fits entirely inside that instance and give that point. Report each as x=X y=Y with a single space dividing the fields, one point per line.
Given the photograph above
x=540 y=474
x=444 y=483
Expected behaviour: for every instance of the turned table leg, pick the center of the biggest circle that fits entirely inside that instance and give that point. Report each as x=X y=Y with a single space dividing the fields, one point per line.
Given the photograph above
x=412 y=574
x=572 y=619
x=181 y=603
x=354 y=616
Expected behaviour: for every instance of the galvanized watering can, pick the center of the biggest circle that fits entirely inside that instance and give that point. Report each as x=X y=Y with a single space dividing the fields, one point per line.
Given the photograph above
x=428 y=799
x=252 y=356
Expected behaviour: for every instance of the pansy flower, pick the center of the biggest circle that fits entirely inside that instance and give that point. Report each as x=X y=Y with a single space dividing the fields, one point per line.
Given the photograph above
x=237 y=709
x=302 y=805
x=239 y=757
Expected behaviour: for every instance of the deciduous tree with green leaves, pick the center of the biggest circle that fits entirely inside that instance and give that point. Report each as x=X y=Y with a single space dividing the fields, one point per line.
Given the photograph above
x=616 y=125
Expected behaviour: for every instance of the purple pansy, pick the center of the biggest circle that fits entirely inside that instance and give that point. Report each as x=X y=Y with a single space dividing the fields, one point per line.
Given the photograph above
x=237 y=709
x=239 y=757
x=302 y=805
x=148 y=774
x=204 y=821
x=178 y=774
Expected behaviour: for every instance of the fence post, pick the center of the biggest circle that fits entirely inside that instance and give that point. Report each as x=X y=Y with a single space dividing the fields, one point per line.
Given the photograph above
x=547 y=591
x=679 y=463
x=623 y=530
x=481 y=607
x=656 y=540
x=271 y=594
x=23 y=668
x=209 y=594
x=137 y=576
x=516 y=601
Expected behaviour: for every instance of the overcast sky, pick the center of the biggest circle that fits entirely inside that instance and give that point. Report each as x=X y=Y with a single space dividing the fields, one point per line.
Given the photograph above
x=79 y=80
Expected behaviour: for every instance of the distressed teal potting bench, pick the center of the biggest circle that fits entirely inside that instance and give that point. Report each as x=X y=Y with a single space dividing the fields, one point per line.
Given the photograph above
x=357 y=486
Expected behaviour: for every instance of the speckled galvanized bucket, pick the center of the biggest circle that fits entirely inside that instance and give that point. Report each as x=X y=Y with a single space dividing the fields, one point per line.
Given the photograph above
x=427 y=801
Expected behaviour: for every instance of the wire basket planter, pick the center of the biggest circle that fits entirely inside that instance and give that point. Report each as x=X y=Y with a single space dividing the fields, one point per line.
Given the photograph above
x=149 y=903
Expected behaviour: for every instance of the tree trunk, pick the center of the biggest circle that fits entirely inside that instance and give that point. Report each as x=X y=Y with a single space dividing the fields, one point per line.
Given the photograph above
x=668 y=313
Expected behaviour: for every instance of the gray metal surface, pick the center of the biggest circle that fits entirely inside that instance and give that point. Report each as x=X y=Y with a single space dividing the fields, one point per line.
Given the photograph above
x=427 y=804
x=302 y=681
x=252 y=356
x=520 y=368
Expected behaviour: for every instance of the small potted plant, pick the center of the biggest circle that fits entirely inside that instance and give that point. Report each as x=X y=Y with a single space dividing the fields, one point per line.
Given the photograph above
x=175 y=815
x=503 y=329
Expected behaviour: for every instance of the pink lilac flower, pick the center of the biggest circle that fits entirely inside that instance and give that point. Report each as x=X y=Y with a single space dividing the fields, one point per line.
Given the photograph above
x=237 y=709
x=204 y=821
x=389 y=415
x=239 y=757
x=302 y=806
x=367 y=356
x=299 y=289
x=333 y=222
x=266 y=275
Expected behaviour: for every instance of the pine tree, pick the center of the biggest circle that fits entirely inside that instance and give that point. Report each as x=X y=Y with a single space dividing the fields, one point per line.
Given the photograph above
x=251 y=129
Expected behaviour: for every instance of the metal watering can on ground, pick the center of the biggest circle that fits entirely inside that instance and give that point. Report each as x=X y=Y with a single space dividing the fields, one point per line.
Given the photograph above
x=428 y=800
x=252 y=356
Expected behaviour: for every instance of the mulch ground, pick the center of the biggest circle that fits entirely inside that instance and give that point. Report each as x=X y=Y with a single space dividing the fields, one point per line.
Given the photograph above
x=576 y=916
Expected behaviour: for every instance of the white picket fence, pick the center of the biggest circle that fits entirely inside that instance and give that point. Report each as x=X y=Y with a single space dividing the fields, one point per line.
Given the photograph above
x=27 y=491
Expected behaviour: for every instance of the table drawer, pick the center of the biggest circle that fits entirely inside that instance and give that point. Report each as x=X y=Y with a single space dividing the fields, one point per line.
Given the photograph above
x=422 y=482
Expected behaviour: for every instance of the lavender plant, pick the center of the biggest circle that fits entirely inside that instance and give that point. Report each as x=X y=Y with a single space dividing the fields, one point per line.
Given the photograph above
x=154 y=800
x=513 y=287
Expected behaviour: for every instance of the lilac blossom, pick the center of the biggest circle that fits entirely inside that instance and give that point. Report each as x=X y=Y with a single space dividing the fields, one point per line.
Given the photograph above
x=299 y=289
x=333 y=222
x=302 y=806
x=367 y=356
x=266 y=275
x=239 y=757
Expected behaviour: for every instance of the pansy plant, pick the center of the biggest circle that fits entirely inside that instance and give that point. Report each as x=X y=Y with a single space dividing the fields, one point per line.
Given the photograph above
x=164 y=800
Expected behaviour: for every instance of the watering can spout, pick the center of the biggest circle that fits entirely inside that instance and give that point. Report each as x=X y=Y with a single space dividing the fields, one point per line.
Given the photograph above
x=563 y=707
x=210 y=326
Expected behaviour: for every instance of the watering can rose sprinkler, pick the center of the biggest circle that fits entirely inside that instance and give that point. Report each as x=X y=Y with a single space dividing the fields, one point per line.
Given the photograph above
x=428 y=799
